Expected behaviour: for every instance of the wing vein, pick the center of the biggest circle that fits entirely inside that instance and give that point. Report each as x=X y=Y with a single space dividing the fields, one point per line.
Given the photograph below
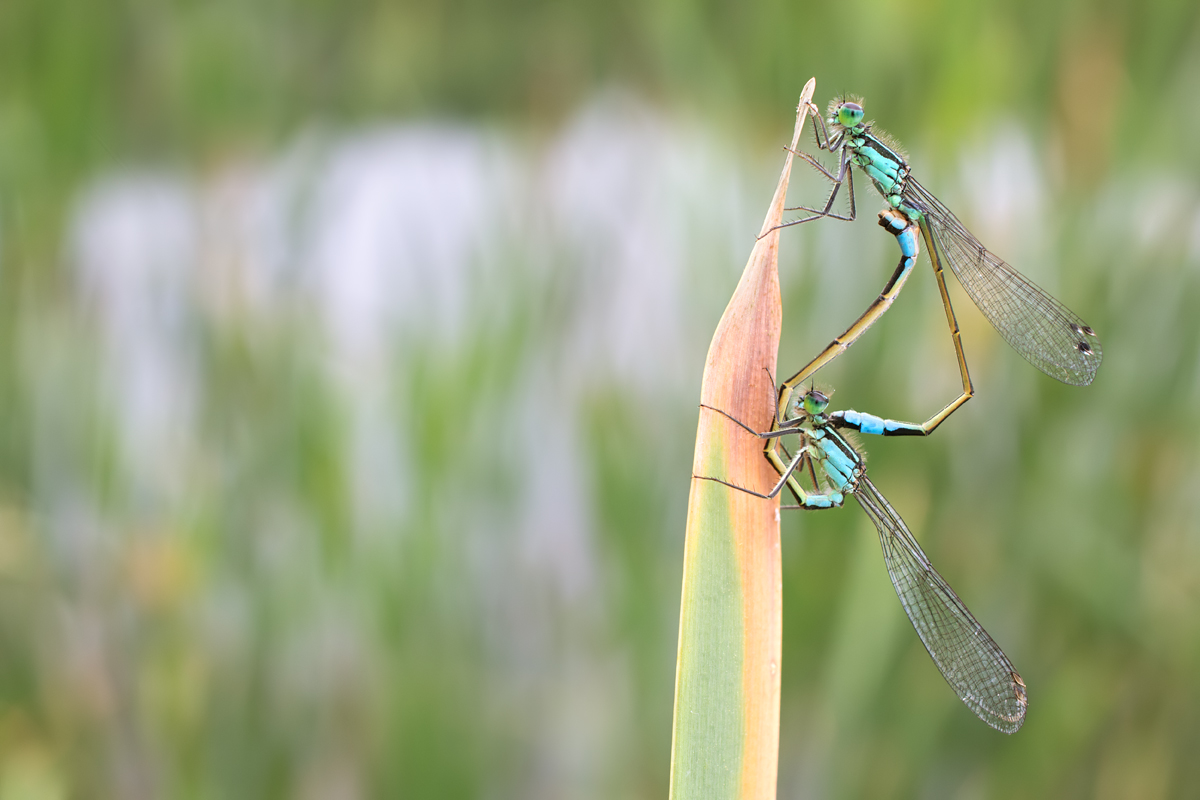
x=968 y=658
x=1044 y=331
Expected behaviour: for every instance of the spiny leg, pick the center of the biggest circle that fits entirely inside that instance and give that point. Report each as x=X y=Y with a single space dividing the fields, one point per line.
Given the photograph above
x=787 y=427
x=815 y=500
x=780 y=428
x=812 y=162
x=785 y=470
x=811 y=473
x=844 y=174
x=829 y=145
x=808 y=500
x=784 y=480
x=818 y=213
x=806 y=461
x=778 y=423
x=819 y=130
x=819 y=123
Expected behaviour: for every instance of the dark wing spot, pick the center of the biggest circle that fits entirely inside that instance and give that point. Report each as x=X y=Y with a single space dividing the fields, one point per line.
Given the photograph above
x=1083 y=347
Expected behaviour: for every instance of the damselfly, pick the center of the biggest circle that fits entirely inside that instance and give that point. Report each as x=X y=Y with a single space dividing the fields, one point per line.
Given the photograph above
x=1044 y=331
x=970 y=661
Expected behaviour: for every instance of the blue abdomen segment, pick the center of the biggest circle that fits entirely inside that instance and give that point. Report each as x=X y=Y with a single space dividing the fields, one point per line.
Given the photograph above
x=907 y=239
x=869 y=423
x=905 y=231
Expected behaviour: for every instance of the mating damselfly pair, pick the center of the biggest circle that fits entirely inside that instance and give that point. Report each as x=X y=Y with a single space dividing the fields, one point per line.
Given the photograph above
x=1040 y=328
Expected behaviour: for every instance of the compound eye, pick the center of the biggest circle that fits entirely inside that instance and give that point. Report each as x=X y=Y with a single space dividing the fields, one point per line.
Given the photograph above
x=815 y=403
x=850 y=114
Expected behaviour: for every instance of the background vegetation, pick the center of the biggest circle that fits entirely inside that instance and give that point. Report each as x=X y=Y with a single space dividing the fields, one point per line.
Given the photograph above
x=349 y=354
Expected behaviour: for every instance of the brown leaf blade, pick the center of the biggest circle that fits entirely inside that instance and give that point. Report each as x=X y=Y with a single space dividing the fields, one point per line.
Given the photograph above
x=726 y=725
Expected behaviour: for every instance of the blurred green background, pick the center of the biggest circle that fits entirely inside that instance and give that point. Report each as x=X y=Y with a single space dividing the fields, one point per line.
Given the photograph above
x=349 y=357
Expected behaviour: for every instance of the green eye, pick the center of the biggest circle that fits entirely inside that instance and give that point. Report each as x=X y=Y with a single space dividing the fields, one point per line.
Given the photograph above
x=815 y=403
x=850 y=114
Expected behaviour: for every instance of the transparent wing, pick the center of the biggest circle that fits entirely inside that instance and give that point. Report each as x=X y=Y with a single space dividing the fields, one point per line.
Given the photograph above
x=974 y=665
x=1044 y=331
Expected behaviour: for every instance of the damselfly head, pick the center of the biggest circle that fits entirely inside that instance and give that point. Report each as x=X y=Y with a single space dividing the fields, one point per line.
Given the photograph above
x=849 y=114
x=815 y=402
